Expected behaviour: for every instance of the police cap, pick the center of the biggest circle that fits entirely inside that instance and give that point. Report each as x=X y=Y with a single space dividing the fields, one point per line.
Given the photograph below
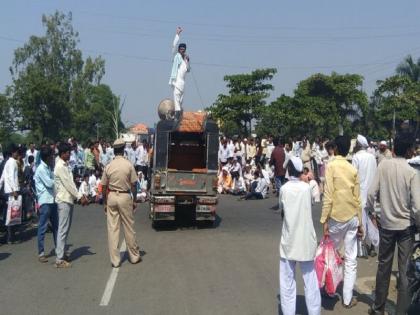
x=119 y=143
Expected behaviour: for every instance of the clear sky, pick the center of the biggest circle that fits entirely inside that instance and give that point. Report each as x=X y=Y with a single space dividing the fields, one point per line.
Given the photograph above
x=298 y=37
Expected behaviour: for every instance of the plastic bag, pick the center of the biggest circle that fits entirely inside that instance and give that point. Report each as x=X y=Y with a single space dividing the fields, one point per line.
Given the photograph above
x=328 y=266
x=372 y=233
x=14 y=211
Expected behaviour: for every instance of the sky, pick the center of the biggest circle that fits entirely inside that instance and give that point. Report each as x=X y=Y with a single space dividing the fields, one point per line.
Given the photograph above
x=299 y=38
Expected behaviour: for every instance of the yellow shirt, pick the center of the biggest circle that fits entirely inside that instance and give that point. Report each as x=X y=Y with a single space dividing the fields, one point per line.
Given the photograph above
x=342 y=192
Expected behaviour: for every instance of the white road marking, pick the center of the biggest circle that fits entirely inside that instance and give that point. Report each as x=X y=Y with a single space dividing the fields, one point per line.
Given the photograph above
x=106 y=297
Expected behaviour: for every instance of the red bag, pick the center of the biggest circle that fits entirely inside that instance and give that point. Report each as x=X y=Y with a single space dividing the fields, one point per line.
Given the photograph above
x=328 y=266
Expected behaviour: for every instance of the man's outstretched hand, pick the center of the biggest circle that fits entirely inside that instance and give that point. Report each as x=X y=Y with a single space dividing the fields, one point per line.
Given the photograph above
x=178 y=30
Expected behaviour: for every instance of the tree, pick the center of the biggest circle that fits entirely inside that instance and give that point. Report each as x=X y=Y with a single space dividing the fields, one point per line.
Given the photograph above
x=245 y=101
x=94 y=118
x=340 y=98
x=6 y=118
x=321 y=106
x=410 y=69
x=398 y=99
x=52 y=85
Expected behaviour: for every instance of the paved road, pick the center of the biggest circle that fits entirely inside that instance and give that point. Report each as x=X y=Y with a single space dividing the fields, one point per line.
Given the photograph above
x=229 y=269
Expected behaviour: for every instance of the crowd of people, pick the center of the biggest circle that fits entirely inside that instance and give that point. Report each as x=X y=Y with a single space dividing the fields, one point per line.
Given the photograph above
x=352 y=179
x=18 y=171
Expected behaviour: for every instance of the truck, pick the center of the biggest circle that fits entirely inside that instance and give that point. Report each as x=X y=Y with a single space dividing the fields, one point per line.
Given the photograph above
x=184 y=172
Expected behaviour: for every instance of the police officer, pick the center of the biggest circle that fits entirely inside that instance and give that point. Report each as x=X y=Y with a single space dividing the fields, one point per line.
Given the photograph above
x=119 y=179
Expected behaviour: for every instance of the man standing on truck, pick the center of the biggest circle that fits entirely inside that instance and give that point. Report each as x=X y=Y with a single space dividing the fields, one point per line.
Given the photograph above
x=180 y=66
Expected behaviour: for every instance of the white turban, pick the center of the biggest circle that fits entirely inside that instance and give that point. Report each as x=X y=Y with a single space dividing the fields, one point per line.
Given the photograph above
x=297 y=163
x=362 y=141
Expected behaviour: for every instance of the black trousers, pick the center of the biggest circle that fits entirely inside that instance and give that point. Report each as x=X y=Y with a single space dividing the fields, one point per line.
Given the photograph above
x=388 y=239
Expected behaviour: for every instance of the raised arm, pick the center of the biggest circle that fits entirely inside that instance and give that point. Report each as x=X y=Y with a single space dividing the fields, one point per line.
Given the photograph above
x=176 y=40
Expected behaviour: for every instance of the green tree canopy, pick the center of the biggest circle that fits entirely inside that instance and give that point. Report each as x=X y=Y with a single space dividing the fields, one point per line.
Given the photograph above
x=245 y=101
x=321 y=106
x=55 y=92
x=410 y=68
x=6 y=118
x=398 y=99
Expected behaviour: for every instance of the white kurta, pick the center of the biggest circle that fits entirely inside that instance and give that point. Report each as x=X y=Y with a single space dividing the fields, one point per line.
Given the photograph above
x=298 y=238
x=365 y=163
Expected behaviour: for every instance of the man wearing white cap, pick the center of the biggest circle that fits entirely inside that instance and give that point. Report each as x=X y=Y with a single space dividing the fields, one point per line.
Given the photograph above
x=298 y=242
x=365 y=164
x=384 y=152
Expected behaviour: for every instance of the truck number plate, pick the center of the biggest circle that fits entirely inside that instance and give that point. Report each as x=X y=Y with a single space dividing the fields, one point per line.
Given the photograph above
x=164 y=208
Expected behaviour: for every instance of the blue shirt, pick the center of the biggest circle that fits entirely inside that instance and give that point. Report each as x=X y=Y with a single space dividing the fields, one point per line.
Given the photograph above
x=44 y=184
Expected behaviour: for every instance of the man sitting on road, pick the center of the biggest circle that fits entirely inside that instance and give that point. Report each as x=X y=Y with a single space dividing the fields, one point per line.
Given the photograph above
x=225 y=183
x=259 y=187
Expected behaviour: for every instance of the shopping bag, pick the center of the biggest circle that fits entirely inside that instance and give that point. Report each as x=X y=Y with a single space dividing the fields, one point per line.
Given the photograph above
x=14 y=211
x=334 y=274
x=372 y=233
x=328 y=266
x=320 y=263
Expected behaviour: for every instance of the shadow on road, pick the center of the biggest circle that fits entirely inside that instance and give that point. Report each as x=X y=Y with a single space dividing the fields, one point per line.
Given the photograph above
x=300 y=305
x=4 y=256
x=80 y=252
x=185 y=223
x=26 y=232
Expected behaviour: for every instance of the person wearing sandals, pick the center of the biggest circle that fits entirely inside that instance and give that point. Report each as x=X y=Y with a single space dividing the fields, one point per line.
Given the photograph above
x=66 y=194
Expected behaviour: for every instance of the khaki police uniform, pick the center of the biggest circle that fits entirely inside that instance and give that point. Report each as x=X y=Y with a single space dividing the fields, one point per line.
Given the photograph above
x=118 y=176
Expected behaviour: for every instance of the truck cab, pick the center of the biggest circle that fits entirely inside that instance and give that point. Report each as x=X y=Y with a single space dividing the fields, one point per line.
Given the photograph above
x=185 y=165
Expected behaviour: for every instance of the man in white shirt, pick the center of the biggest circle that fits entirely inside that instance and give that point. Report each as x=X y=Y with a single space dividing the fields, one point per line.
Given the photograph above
x=130 y=153
x=66 y=194
x=142 y=159
x=180 y=66
x=383 y=152
x=224 y=153
x=258 y=187
x=365 y=164
x=92 y=186
x=298 y=242
x=10 y=180
x=31 y=152
x=270 y=147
